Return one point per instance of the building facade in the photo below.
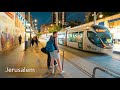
(12, 24)
(58, 18)
(26, 17)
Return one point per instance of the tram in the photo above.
(94, 38)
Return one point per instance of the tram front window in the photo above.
(104, 34)
(94, 38)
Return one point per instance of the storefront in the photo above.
(7, 27)
(114, 28)
(11, 26)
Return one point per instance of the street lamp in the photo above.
(51, 25)
(95, 16)
(101, 15)
(35, 20)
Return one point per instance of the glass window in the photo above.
(104, 34)
(94, 38)
(80, 37)
(73, 37)
(70, 37)
(80, 40)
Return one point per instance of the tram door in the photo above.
(80, 40)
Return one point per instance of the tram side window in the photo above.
(73, 37)
(70, 37)
(94, 38)
(80, 37)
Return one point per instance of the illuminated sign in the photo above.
(100, 30)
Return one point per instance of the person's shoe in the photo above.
(53, 71)
(50, 67)
(62, 72)
(56, 65)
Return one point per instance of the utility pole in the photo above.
(30, 26)
(95, 17)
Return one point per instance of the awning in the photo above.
(114, 20)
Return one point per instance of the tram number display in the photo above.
(100, 30)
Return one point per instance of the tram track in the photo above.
(79, 68)
(99, 65)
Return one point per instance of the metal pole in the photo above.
(25, 38)
(30, 27)
(63, 60)
(95, 17)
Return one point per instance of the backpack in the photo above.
(49, 46)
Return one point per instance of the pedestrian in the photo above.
(36, 40)
(48, 58)
(32, 42)
(20, 39)
(55, 54)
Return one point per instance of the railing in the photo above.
(106, 71)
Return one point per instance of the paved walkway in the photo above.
(32, 59)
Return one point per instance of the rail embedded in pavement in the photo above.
(106, 71)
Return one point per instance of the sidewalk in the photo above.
(31, 59)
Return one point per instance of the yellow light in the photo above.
(51, 25)
(100, 16)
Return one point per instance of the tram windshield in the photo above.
(104, 34)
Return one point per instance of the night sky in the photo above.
(45, 17)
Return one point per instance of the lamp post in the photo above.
(30, 27)
(95, 16)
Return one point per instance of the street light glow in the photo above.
(101, 15)
(51, 25)
(35, 20)
(59, 21)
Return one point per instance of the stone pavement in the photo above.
(32, 59)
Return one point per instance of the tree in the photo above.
(39, 33)
(74, 23)
(54, 28)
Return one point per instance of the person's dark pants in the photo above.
(36, 42)
(49, 60)
(20, 42)
(32, 43)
